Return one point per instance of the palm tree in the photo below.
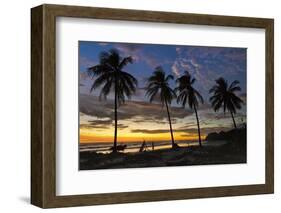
(224, 96)
(158, 83)
(187, 94)
(110, 75)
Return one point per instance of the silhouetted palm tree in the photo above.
(224, 96)
(110, 75)
(188, 95)
(158, 83)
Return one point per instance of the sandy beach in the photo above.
(233, 152)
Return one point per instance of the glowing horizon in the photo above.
(86, 138)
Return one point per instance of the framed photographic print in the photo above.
(137, 106)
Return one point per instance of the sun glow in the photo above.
(90, 136)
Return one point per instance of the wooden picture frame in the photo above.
(43, 105)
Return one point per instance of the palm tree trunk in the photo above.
(115, 118)
(171, 129)
(198, 126)
(233, 120)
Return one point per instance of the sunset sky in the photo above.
(140, 120)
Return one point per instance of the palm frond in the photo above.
(217, 104)
(105, 90)
(192, 81)
(125, 62)
(97, 70)
(187, 93)
(235, 89)
(199, 96)
(158, 83)
(233, 84)
(169, 77)
(101, 80)
(224, 96)
(151, 93)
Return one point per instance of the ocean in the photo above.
(104, 147)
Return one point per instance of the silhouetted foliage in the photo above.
(109, 75)
(223, 96)
(158, 84)
(188, 95)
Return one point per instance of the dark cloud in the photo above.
(207, 64)
(189, 125)
(90, 105)
(90, 126)
(86, 62)
(207, 130)
(97, 124)
(128, 47)
(136, 52)
(102, 124)
(150, 111)
(185, 131)
(122, 126)
(132, 50)
(142, 120)
(141, 112)
(156, 131)
(221, 115)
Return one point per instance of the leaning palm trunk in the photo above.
(198, 126)
(171, 129)
(233, 120)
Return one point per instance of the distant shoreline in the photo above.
(148, 141)
(134, 147)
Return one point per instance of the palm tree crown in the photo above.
(188, 94)
(158, 84)
(224, 96)
(110, 75)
